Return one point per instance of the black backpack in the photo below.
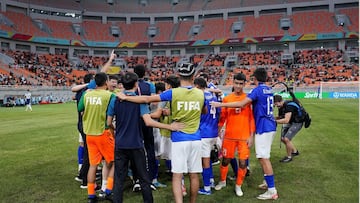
(303, 115)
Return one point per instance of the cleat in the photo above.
(297, 153)
(286, 160)
(220, 185)
(238, 190)
(269, 195)
(102, 194)
(231, 177)
(78, 178)
(158, 185)
(212, 184)
(204, 192)
(152, 186)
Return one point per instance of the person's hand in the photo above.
(250, 141)
(121, 96)
(215, 104)
(165, 111)
(177, 126)
(112, 55)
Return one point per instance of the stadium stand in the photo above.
(313, 22)
(353, 14)
(23, 24)
(309, 66)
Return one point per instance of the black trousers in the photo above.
(150, 153)
(138, 159)
(86, 164)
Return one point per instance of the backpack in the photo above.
(303, 115)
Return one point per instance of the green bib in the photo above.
(94, 118)
(186, 107)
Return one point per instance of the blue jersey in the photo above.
(263, 100)
(209, 122)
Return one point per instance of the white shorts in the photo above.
(80, 138)
(186, 157)
(206, 147)
(263, 144)
(157, 142)
(165, 147)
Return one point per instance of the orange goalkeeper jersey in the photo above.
(239, 121)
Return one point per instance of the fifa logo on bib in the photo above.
(94, 100)
(188, 105)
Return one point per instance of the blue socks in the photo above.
(269, 180)
(234, 165)
(206, 176)
(80, 154)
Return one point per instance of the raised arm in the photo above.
(107, 65)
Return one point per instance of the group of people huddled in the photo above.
(127, 123)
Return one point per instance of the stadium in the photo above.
(49, 46)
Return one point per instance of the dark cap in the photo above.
(186, 69)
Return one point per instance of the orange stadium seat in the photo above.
(134, 32)
(97, 31)
(313, 22)
(62, 29)
(24, 24)
(183, 31)
(353, 14)
(165, 29)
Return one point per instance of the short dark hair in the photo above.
(140, 70)
(205, 76)
(129, 80)
(201, 82)
(260, 74)
(120, 80)
(239, 76)
(278, 98)
(173, 81)
(88, 77)
(159, 86)
(113, 77)
(100, 79)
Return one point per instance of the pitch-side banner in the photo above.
(324, 95)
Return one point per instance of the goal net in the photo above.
(339, 90)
